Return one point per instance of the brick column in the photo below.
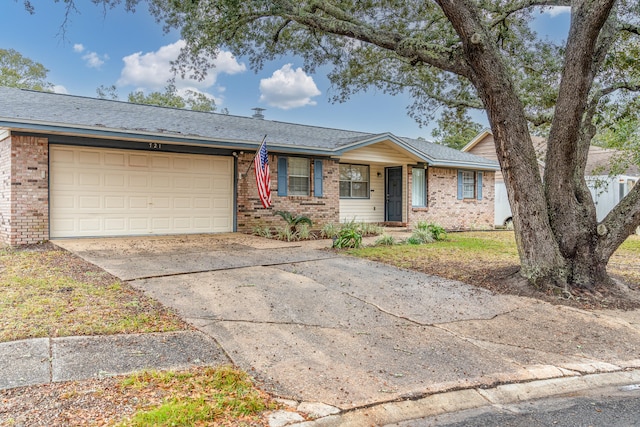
(24, 181)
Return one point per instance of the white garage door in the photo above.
(110, 192)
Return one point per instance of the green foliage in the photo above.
(619, 129)
(107, 92)
(303, 232)
(294, 221)
(286, 233)
(455, 128)
(262, 231)
(437, 232)
(350, 233)
(21, 72)
(385, 240)
(348, 238)
(204, 396)
(370, 229)
(420, 237)
(171, 98)
(329, 230)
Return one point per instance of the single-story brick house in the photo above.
(80, 167)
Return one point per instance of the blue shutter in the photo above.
(479, 190)
(282, 176)
(317, 178)
(460, 197)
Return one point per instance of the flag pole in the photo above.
(254, 156)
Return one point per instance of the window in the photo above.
(298, 182)
(354, 181)
(294, 176)
(419, 188)
(469, 185)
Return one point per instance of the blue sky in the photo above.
(131, 51)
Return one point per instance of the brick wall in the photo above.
(24, 204)
(321, 210)
(5, 190)
(444, 208)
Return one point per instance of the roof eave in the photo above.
(139, 135)
(466, 165)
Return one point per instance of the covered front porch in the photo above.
(377, 184)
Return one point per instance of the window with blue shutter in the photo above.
(469, 185)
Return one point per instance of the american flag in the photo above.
(263, 178)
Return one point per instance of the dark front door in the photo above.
(393, 185)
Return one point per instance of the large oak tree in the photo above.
(464, 54)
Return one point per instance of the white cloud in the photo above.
(60, 89)
(152, 70)
(93, 60)
(554, 11)
(288, 88)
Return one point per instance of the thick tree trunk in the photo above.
(540, 257)
(570, 207)
(555, 224)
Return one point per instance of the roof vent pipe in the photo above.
(258, 113)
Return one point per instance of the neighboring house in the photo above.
(607, 190)
(81, 167)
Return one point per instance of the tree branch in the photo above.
(630, 28)
(342, 24)
(505, 12)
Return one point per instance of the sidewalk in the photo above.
(45, 360)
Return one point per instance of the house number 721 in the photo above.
(155, 145)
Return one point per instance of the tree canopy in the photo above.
(192, 100)
(457, 55)
(21, 72)
(455, 128)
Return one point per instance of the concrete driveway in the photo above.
(316, 326)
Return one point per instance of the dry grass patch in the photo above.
(49, 292)
(221, 396)
(490, 260)
(463, 256)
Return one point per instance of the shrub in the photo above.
(420, 237)
(304, 232)
(437, 232)
(371, 229)
(385, 240)
(329, 230)
(262, 231)
(286, 233)
(294, 222)
(348, 238)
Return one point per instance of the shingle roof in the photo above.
(75, 115)
(442, 153)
